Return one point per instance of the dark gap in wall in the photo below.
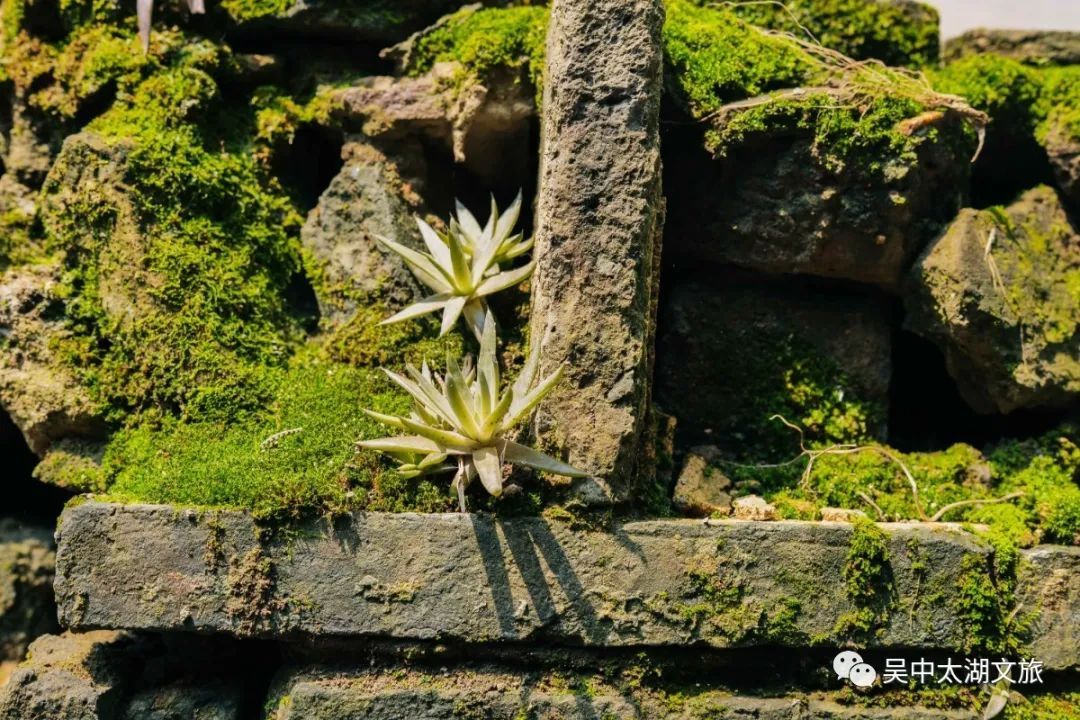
(503, 165)
(304, 53)
(1007, 167)
(926, 411)
(25, 498)
(306, 166)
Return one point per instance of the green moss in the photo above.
(243, 10)
(1044, 470)
(74, 465)
(296, 455)
(12, 13)
(895, 33)
(362, 341)
(486, 40)
(76, 13)
(1061, 102)
(715, 58)
(982, 608)
(1048, 706)
(1009, 92)
(1042, 281)
(839, 137)
(868, 583)
(279, 116)
(176, 275)
(93, 58)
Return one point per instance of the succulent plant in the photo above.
(463, 265)
(460, 421)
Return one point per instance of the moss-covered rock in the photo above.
(177, 256)
(1059, 131)
(846, 178)
(999, 292)
(1034, 116)
(483, 42)
(897, 32)
(364, 201)
(1010, 93)
(295, 456)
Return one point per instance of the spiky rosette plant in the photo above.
(459, 422)
(464, 265)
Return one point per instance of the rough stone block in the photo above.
(26, 599)
(71, 676)
(109, 675)
(364, 200)
(598, 223)
(480, 579)
(1037, 47)
(1052, 582)
(498, 694)
(997, 293)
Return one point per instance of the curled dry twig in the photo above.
(966, 503)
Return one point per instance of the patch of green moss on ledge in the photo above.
(1045, 470)
(295, 456)
(897, 33)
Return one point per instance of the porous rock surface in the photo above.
(363, 201)
(71, 676)
(324, 694)
(774, 206)
(391, 575)
(40, 393)
(1051, 578)
(998, 294)
(701, 488)
(598, 223)
(1037, 47)
(112, 675)
(26, 598)
(1063, 150)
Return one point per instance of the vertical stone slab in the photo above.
(598, 223)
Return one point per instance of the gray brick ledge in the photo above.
(472, 578)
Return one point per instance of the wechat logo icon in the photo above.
(848, 665)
